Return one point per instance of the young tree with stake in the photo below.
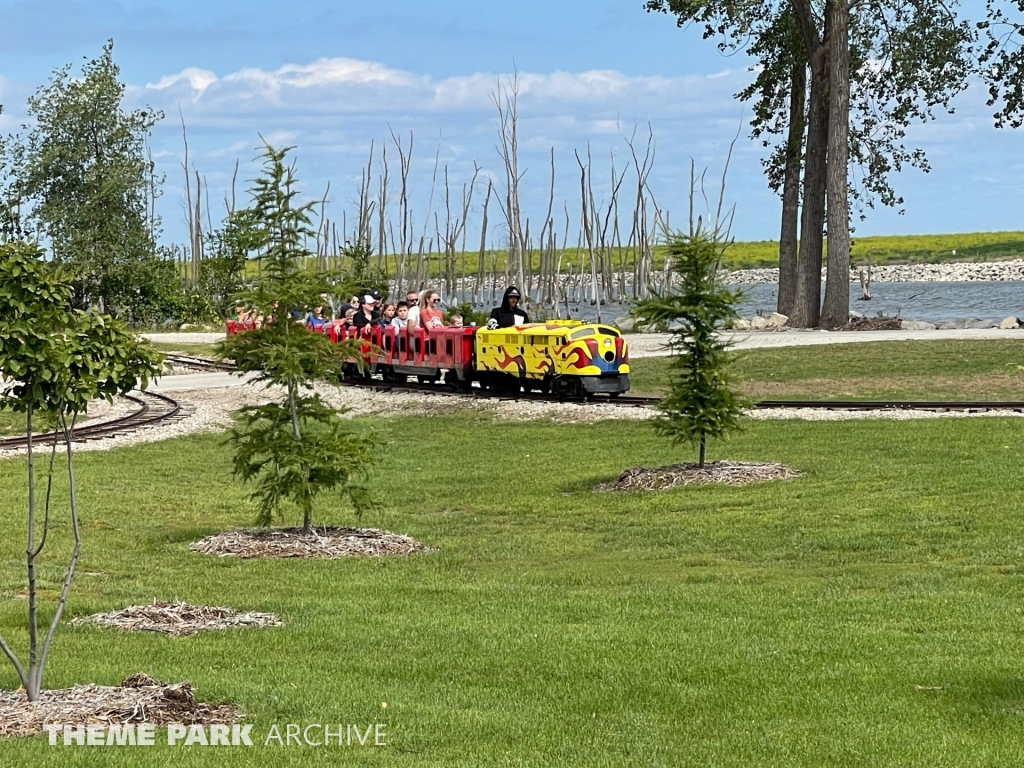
(700, 403)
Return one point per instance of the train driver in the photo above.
(509, 313)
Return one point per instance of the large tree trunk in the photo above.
(806, 307)
(791, 191)
(836, 311)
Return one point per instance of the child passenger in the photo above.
(401, 318)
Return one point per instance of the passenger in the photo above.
(456, 321)
(387, 314)
(431, 315)
(345, 321)
(368, 315)
(509, 313)
(401, 318)
(315, 321)
(330, 311)
(413, 300)
(354, 303)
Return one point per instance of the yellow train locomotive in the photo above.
(564, 357)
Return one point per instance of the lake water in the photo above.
(934, 302)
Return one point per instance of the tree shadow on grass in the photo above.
(991, 698)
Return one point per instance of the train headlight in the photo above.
(608, 342)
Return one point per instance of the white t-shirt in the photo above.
(414, 315)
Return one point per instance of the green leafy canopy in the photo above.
(56, 359)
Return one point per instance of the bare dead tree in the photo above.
(506, 99)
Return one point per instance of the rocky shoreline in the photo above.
(992, 271)
(858, 322)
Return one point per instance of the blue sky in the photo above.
(332, 77)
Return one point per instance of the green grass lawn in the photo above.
(12, 423)
(868, 613)
(908, 370)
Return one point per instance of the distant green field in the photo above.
(883, 249)
(897, 249)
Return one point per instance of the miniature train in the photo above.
(563, 357)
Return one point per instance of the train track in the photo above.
(625, 401)
(636, 401)
(151, 408)
(200, 363)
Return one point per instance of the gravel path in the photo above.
(213, 408)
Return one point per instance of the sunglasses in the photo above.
(412, 301)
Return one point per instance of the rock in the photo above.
(759, 323)
(187, 327)
(741, 325)
(1009, 323)
(856, 315)
(916, 325)
(778, 320)
(625, 324)
(947, 326)
(983, 324)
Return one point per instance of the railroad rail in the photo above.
(201, 363)
(152, 408)
(637, 401)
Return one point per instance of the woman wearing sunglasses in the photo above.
(431, 315)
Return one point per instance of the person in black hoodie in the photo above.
(509, 313)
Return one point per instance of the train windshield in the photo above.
(582, 333)
(608, 331)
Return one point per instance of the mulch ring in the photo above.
(178, 619)
(322, 543)
(720, 472)
(139, 699)
(872, 324)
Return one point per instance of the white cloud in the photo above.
(346, 85)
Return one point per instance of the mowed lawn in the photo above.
(869, 613)
(908, 370)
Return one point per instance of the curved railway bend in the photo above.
(151, 409)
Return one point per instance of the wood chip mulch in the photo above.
(324, 542)
(720, 472)
(139, 699)
(178, 619)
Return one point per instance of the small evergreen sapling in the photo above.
(299, 447)
(700, 403)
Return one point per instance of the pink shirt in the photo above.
(431, 318)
